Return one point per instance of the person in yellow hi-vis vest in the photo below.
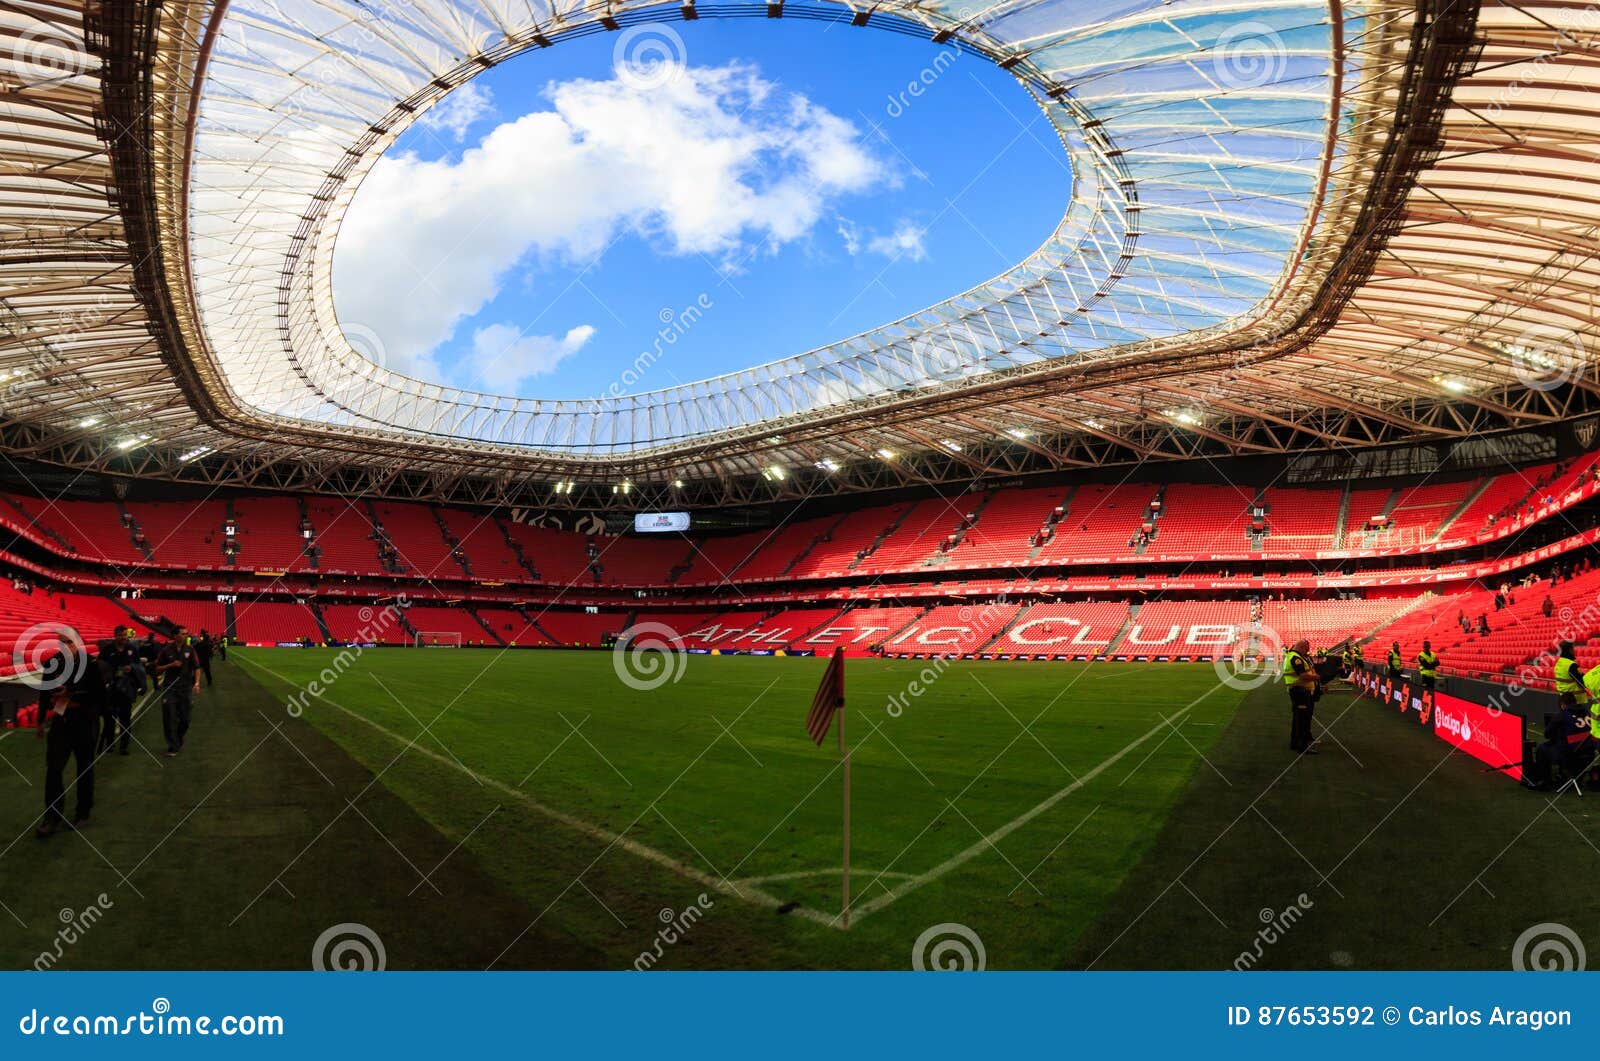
(1570, 685)
(1300, 676)
(1591, 684)
(1396, 665)
(1427, 666)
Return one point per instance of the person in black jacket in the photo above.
(176, 667)
(123, 673)
(69, 714)
(1568, 746)
(202, 649)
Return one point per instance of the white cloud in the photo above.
(459, 111)
(904, 242)
(503, 357)
(716, 162)
(850, 233)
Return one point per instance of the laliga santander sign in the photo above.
(1493, 737)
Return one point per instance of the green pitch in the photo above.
(475, 808)
(1011, 798)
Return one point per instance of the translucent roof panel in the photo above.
(1198, 134)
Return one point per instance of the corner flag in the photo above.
(828, 702)
(829, 698)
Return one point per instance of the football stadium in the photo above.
(1034, 485)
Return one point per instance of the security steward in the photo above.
(1569, 677)
(177, 668)
(123, 673)
(1396, 665)
(1427, 666)
(1300, 677)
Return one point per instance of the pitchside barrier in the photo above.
(1488, 721)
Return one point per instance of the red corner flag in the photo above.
(829, 698)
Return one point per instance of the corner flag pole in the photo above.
(829, 702)
(844, 756)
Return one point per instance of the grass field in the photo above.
(528, 809)
(1007, 798)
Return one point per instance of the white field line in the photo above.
(743, 889)
(597, 832)
(834, 871)
(905, 888)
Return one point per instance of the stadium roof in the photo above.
(1292, 225)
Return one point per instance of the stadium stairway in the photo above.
(883, 536)
(322, 622)
(1343, 519)
(533, 624)
(136, 534)
(1005, 628)
(825, 535)
(516, 549)
(1421, 600)
(1048, 527)
(493, 635)
(1122, 631)
(1467, 502)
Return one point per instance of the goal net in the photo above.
(438, 639)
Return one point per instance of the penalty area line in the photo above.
(960, 858)
(754, 896)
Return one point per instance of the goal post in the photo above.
(438, 639)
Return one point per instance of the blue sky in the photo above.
(534, 232)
